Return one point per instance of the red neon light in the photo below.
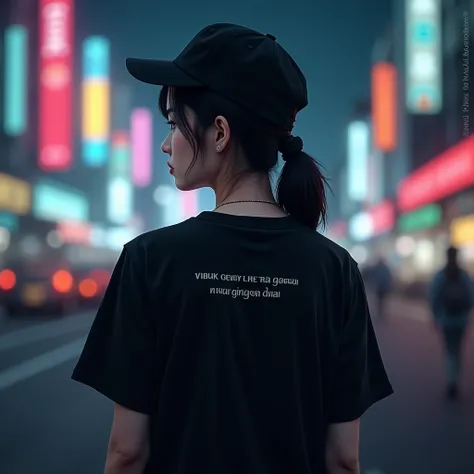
(447, 174)
(75, 232)
(383, 217)
(56, 76)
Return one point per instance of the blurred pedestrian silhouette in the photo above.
(379, 279)
(451, 299)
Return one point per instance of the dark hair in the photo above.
(301, 185)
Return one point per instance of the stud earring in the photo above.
(218, 148)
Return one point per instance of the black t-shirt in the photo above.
(242, 338)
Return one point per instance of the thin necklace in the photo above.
(245, 200)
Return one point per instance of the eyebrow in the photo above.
(169, 111)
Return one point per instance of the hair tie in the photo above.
(290, 147)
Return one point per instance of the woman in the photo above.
(238, 341)
(451, 300)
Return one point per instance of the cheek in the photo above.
(182, 152)
(179, 144)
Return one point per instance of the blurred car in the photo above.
(40, 288)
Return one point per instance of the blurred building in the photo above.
(436, 200)
(443, 28)
(427, 54)
(458, 43)
(419, 167)
(38, 195)
(18, 26)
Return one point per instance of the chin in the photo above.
(187, 185)
(184, 186)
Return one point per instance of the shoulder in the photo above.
(329, 245)
(161, 240)
(332, 251)
(335, 261)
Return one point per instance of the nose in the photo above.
(166, 145)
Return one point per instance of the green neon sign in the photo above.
(424, 218)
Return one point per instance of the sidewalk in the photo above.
(409, 308)
(405, 307)
(414, 310)
(434, 435)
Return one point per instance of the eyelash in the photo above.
(171, 124)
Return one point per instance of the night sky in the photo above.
(331, 41)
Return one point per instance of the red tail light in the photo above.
(62, 281)
(88, 288)
(7, 280)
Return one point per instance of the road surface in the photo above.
(51, 425)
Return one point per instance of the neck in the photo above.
(252, 187)
(255, 187)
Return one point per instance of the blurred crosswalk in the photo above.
(43, 330)
(40, 346)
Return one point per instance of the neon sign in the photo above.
(56, 75)
(120, 189)
(95, 100)
(16, 80)
(443, 176)
(141, 138)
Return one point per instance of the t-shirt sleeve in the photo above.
(360, 379)
(119, 353)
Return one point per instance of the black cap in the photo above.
(247, 67)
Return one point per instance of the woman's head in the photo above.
(214, 141)
(231, 98)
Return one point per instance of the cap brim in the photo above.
(160, 73)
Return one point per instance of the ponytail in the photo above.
(301, 186)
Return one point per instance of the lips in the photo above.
(171, 168)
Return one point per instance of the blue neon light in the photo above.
(96, 51)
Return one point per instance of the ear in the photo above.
(222, 132)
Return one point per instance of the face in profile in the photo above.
(205, 168)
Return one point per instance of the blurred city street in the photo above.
(85, 168)
(51, 425)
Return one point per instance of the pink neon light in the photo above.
(448, 173)
(190, 204)
(141, 137)
(56, 58)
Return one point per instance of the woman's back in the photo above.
(246, 351)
